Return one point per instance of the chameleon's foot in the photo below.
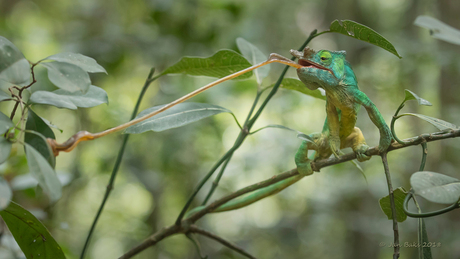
(304, 168)
(385, 139)
(360, 156)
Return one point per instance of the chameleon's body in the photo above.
(330, 71)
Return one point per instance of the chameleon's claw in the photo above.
(360, 153)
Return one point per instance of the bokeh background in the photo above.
(333, 214)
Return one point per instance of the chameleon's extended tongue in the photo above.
(280, 59)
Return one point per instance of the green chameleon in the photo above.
(330, 71)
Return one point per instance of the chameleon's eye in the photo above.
(325, 57)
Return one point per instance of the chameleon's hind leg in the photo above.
(301, 157)
(357, 142)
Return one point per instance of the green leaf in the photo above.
(5, 193)
(68, 76)
(84, 62)
(71, 100)
(436, 187)
(5, 149)
(438, 123)
(362, 32)
(399, 195)
(5, 123)
(422, 235)
(4, 96)
(177, 116)
(44, 173)
(438, 29)
(35, 123)
(297, 85)
(14, 67)
(412, 96)
(305, 137)
(31, 235)
(221, 64)
(254, 56)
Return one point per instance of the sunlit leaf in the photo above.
(399, 196)
(254, 56)
(5, 149)
(412, 96)
(5, 123)
(297, 85)
(438, 29)
(438, 123)
(436, 187)
(84, 62)
(67, 76)
(177, 116)
(362, 32)
(14, 68)
(44, 173)
(35, 123)
(71, 100)
(31, 235)
(26, 181)
(221, 64)
(5, 193)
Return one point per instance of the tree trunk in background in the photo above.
(450, 77)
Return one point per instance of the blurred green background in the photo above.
(333, 214)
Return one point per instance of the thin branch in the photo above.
(316, 166)
(147, 83)
(393, 206)
(152, 240)
(195, 229)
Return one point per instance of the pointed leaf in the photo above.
(438, 123)
(44, 173)
(31, 235)
(399, 195)
(362, 32)
(436, 187)
(14, 68)
(35, 123)
(221, 64)
(5, 193)
(71, 100)
(423, 250)
(177, 116)
(68, 76)
(5, 123)
(297, 85)
(5, 149)
(84, 62)
(412, 96)
(254, 56)
(438, 29)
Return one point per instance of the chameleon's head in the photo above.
(321, 68)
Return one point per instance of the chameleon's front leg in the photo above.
(376, 118)
(333, 124)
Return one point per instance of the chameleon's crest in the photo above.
(308, 52)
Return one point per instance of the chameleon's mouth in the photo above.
(308, 63)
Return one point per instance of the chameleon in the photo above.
(330, 71)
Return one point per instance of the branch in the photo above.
(195, 229)
(392, 205)
(316, 166)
